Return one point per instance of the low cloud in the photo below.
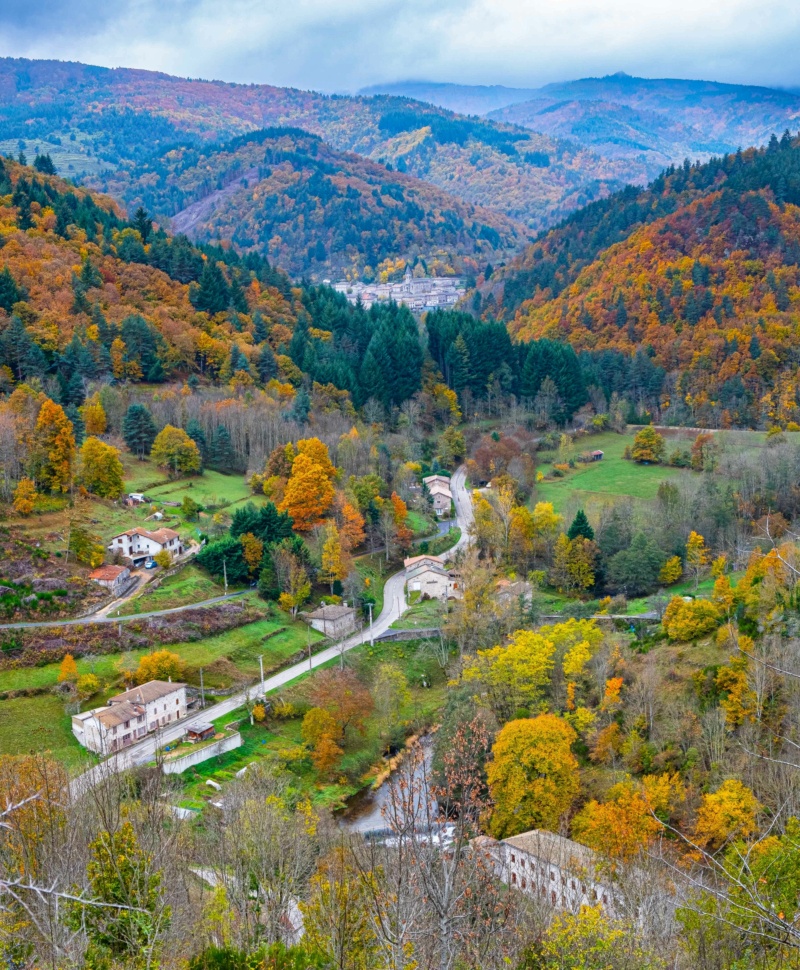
(343, 46)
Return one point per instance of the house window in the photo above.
(524, 884)
(553, 896)
(513, 878)
(177, 701)
(127, 724)
(605, 899)
(513, 857)
(522, 863)
(552, 874)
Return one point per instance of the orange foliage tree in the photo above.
(54, 450)
(309, 493)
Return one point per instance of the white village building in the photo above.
(138, 545)
(129, 716)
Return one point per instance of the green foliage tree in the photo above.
(139, 430)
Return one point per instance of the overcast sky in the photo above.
(341, 45)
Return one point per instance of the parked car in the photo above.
(151, 564)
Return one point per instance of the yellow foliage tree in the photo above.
(687, 620)
(533, 775)
(88, 684)
(68, 672)
(648, 446)
(101, 471)
(697, 556)
(25, 497)
(335, 563)
(252, 550)
(54, 454)
(163, 558)
(160, 665)
(671, 571)
(94, 416)
(729, 813)
(175, 451)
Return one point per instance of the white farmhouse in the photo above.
(137, 545)
(130, 716)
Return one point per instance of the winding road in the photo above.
(394, 605)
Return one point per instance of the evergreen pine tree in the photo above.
(198, 436)
(9, 291)
(260, 333)
(212, 295)
(580, 527)
(301, 407)
(220, 451)
(266, 364)
(78, 426)
(139, 430)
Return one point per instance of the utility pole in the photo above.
(371, 637)
(225, 574)
(308, 644)
(202, 692)
(261, 665)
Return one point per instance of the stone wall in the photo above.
(174, 766)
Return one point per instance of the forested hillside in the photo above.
(651, 122)
(700, 272)
(316, 212)
(64, 108)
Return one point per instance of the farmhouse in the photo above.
(114, 578)
(428, 576)
(137, 545)
(333, 621)
(130, 716)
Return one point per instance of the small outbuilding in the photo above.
(114, 578)
(200, 732)
(333, 621)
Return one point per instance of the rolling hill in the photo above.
(95, 119)
(651, 123)
(316, 212)
(699, 273)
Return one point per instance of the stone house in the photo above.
(138, 545)
(442, 498)
(114, 578)
(129, 716)
(333, 621)
(428, 576)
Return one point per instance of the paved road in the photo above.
(95, 618)
(394, 605)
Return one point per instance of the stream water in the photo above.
(366, 812)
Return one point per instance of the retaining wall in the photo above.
(174, 766)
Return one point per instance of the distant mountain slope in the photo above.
(316, 212)
(700, 273)
(465, 99)
(123, 117)
(650, 123)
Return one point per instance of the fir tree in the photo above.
(212, 295)
(266, 364)
(198, 436)
(580, 527)
(9, 291)
(260, 332)
(139, 430)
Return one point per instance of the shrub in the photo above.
(687, 620)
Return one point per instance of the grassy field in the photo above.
(427, 613)
(593, 484)
(31, 725)
(190, 585)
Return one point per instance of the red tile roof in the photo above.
(108, 573)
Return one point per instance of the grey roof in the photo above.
(330, 613)
(151, 691)
(555, 849)
(118, 714)
(201, 727)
